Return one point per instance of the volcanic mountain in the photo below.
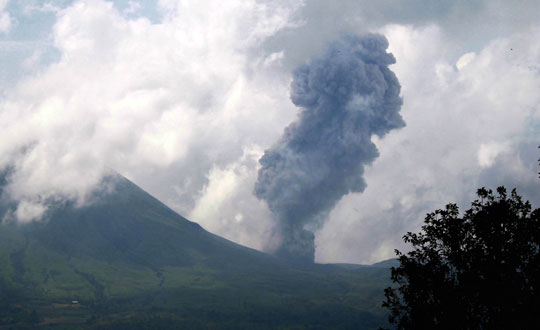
(128, 261)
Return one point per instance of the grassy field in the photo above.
(132, 263)
(320, 298)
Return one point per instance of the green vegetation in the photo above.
(132, 263)
(476, 271)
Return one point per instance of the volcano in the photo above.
(126, 260)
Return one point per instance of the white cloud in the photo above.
(464, 60)
(487, 153)
(48, 7)
(183, 107)
(28, 211)
(5, 17)
(139, 97)
(227, 204)
(133, 7)
(459, 125)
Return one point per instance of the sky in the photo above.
(183, 98)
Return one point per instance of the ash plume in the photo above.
(345, 97)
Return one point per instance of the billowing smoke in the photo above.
(345, 97)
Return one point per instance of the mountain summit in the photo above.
(127, 260)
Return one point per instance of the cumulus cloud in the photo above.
(470, 25)
(227, 205)
(141, 98)
(184, 102)
(5, 17)
(469, 124)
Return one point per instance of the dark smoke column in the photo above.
(344, 97)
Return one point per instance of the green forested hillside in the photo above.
(131, 262)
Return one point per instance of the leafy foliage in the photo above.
(478, 271)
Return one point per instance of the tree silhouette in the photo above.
(478, 271)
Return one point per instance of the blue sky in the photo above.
(183, 97)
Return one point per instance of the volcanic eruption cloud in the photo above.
(345, 97)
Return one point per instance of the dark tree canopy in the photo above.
(476, 271)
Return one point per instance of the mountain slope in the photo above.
(131, 226)
(128, 259)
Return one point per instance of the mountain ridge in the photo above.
(126, 254)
